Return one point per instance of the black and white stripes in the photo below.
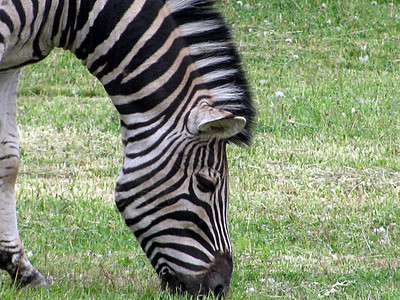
(174, 75)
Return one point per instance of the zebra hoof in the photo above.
(22, 273)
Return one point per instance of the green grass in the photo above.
(315, 208)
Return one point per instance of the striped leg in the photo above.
(12, 257)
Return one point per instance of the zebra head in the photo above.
(175, 201)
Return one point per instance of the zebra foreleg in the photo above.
(12, 256)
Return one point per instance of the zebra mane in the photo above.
(210, 42)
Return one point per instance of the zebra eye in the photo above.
(205, 185)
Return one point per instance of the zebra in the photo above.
(175, 77)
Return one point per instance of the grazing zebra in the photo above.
(174, 76)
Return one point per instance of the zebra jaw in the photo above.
(213, 122)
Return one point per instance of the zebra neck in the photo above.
(160, 57)
(143, 63)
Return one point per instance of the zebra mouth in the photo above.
(197, 287)
(170, 281)
(215, 281)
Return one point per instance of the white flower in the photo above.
(247, 6)
(323, 5)
(329, 22)
(265, 33)
(250, 290)
(373, 3)
(363, 48)
(380, 229)
(240, 3)
(363, 59)
(29, 253)
(271, 280)
(262, 81)
(279, 94)
(352, 110)
(289, 40)
(295, 56)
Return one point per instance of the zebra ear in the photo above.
(216, 122)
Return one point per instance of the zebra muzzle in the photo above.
(215, 281)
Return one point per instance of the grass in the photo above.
(314, 208)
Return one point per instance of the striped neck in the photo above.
(148, 54)
(148, 63)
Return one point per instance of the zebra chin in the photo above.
(215, 281)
